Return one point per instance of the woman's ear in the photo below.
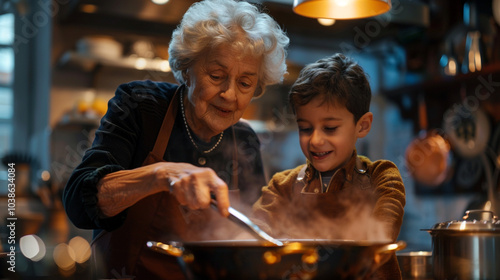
(364, 124)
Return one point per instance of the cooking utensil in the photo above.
(296, 259)
(415, 265)
(474, 56)
(448, 60)
(467, 249)
(241, 219)
(428, 155)
(468, 130)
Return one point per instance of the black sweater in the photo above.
(127, 134)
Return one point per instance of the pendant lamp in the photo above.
(341, 9)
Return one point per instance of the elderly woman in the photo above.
(162, 150)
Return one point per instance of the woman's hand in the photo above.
(191, 185)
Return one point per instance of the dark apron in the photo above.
(123, 254)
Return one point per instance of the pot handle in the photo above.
(480, 215)
(174, 249)
(309, 255)
(393, 247)
(383, 254)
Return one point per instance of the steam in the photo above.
(357, 223)
(344, 216)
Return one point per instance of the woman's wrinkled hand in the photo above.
(192, 186)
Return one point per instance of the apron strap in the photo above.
(166, 127)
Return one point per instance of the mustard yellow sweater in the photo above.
(364, 200)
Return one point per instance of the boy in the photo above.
(337, 194)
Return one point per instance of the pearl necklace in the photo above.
(189, 133)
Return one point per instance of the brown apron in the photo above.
(123, 254)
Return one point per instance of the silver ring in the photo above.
(171, 184)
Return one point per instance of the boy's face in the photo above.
(327, 133)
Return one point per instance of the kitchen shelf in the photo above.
(443, 92)
(436, 85)
(89, 62)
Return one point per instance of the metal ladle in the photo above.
(241, 219)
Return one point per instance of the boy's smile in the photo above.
(327, 133)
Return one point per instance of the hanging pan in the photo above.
(428, 155)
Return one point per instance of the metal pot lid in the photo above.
(474, 220)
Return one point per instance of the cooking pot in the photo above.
(415, 265)
(296, 259)
(467, 249)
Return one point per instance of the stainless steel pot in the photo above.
(415, 265)
(467, 249)
(296, 259)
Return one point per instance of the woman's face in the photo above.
(327, 134)
(220, 87)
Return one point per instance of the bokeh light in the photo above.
(160, 2)
(81, 247)
(64, 256)
(32, 247)
(326, 21)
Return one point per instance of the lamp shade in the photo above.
(341, 9)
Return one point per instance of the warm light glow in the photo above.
(449, 65)
(462, 226)
(32, 247)
(392, 247)
(452, 68)
(160, 2)
(341, 3)
(477, 59)
(271, 257)
(341, 9)
(140, 63)
(88, 8)
(165, 66)
(45, 175)
(473, 52)
(64, 256)
(487, 205)
(310, 258)
(472, 66)
(81, 247)
(292, 247)
(326, 21)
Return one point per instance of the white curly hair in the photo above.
(209, 23)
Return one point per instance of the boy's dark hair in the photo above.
(338, 79)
